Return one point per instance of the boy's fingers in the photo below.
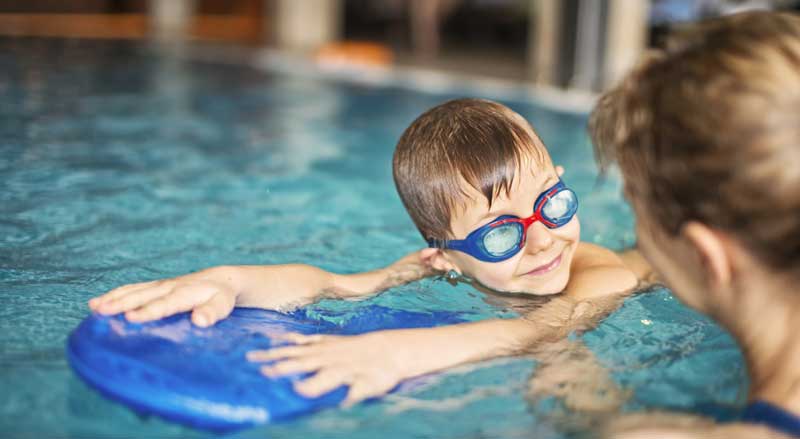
(117, 292)
(301, 339)
(357, 393)
(293, 366)
(323, 382)
(135, 298)
(181, 299)
(217, 307)
(277, 353)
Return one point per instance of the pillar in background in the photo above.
(589, 44)
(586, 44)
(626, 38)
(307, 24)
(169, 19)
(543, 41)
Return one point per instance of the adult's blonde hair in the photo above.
(708, 129)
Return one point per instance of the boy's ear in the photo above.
(713, 251)
(559, 170)
(436, 259)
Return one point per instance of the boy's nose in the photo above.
(539, 238)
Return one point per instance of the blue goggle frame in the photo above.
(474, 244)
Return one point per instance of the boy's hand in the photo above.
(209, 293)
(212, 293)
(371, 364)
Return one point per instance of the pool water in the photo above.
(119, 163)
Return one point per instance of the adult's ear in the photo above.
(436, 259)
(713, 251)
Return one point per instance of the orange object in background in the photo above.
(345, 53)
(231, 21)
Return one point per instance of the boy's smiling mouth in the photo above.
(546, 268)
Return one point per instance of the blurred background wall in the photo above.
(570, 44)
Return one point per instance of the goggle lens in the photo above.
(502, 239)
(560, 208)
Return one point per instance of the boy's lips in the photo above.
(546, 268)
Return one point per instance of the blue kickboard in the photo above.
(200, 376)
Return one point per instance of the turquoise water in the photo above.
(119, 164)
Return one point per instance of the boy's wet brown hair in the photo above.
(708, 129)
(480, 142)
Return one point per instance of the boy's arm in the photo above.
(211, 294)
(374, 363)
(296, 285)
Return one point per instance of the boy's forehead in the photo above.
(529, 181)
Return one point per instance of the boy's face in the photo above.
(543, 265)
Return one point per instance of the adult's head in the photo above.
(707, 135)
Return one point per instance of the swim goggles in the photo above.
(504, 237)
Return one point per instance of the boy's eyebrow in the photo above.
(551, 180)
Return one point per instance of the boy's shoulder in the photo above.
(631, 260)
(598, 271)
(589, 255)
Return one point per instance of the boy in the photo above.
(480, 186)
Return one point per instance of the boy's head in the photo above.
(466, 162)
(707, 133)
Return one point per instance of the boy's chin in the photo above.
(548, 285)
